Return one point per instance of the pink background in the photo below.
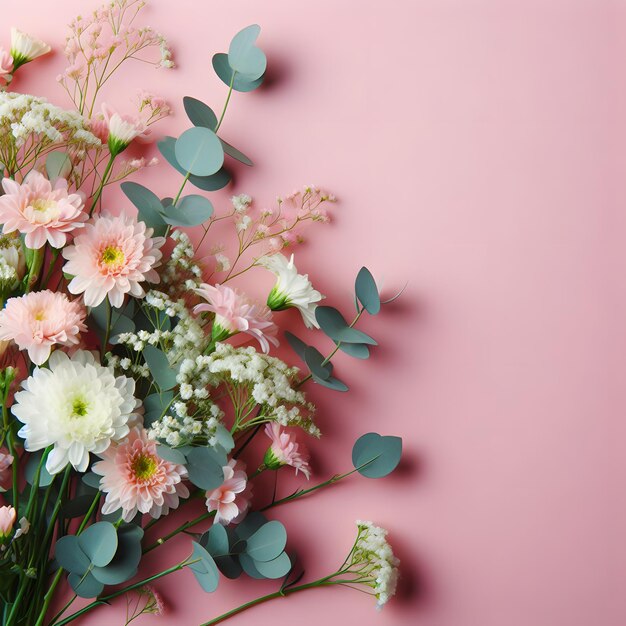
(476, 147)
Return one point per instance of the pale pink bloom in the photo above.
(99, 127)
(25, 47)
(6, 474)
(39, 320)
(7, 520)
(111, 257)
(6, 66)
(40, 210)
(235, 313)
(136, 479)
(231, 499)
(285, 450)
(122, 129)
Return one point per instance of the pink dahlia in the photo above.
(285, 450)
(41, 319)
(6, 460)
(136, 479)
(111, 257)
(40, 210)
(231, 499)
(235, 313)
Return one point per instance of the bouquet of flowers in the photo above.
(133, 372)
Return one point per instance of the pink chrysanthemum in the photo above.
(6, 460)
(235, 313)
(39, 320)
(231, 499)
(40, 210)
(6, 66)
(135, 479)
(285, 450)
(111, 257)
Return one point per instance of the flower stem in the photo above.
(103, 182)
(178, 530)
(230, 93)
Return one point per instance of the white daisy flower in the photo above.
(291, 289)
(76, 405)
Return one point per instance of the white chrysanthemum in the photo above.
(291, 289)
(76, 405)
(373, 559)
(25, 48)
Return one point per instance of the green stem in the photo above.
(103, 181)
(16, 603)
(178, 530)
(107, 330)
(35, 268)
(180, 191)
(53, 259)
(230, 93)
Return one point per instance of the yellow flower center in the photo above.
(79, 407)
(144, 466)
(40, 315)
(42, 205)
(112, 255)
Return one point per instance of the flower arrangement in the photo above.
(124, 395)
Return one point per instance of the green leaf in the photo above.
(207, 183)
(199, 114)
(85, 586)
(148, 205)
(192, 210)
(205, 570)
(335, 326)
(205, 468)
(231, 151)
(120, 323)
(70, 556)
(249, 566)
(156, 405)
(331, 383)
(251, 523)
(78, 506)
(215, 540)
(315, 361)
(58, 165)
(367, 291)
(267, 542)
(45, 478)
(163, 373)
(171, 454)
(92, 480)
(199, 151)
(244, 57)
(225, 72)
(224, 438)
(99, 543)
(298, 346)
(124, 565)
(276, 568)
(357, 350)
(375, 456)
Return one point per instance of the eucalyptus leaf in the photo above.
(155, 406)
(199, 151)
(163, 373)
(192, 210)
(92, 480)
(148, 205)
(267, 542)
(171, 454)
(58, 165)
(215, 540)
(224, 438)
(332, 322)
(367, 291)
(250, 524)
(315, 361)
(243, 55)
(99, 543)
(78, 506)
(225, 72)
(331, 383)
(249, 566)
(204, 569)
(298, 346)
(199, 113)
(70, 556)
(276, 568)
(231, 151)
(375, 456)
(85, 586)
(357, 350)
(124, 564)
(34, 459)
(205, 468)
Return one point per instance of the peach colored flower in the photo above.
(135, 479)
(6, 66)
(40, 210)
(231, 499)
(7, 520)
(235, 313)
(285, 450)
(6, 460)
(111, 257)
(39, 320)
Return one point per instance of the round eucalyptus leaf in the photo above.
(199, 151)
(30, 470)
(367, 291)
(147, 203)
(92, 480)
(315, 361)
(332, 322)
(224, 438)
(171, 454)
(375, 456)
(357, 350)
(85, 586)
(267, 542)
(297, 345)
(249, 566)
(205, 468)
(127, 557)
(199, 113)
(231, 151)
(155, 405)
(276, 568)
(99, 543)
(58, 165)
(331, 383)
(192, 210)
(70, 556)
(225, 73)
(251, 523)
(163, 373)
(215, 540)
(243, 55)
(204, 569)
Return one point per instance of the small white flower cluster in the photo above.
(181, 269)
(376, 563)
(124, 364)
(23, 116)
(181, 429)
(241, 202)
(254, 379)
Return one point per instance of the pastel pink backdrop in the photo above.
(476, 148)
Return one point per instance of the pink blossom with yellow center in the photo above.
(39, 320)
(41, 211)
(285, 450)
(110, 258)
(235, 313)
(136, 480)
(231, 499)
